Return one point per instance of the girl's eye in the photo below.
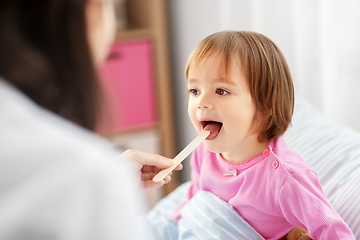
(194, 91)
(221, 91)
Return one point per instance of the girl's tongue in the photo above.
(214, 128)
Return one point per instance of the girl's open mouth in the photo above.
(212, 126)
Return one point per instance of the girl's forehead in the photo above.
(224, 69)
(215, 61)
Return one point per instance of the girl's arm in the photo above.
(304, 204)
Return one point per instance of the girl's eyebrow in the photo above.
(216, 80)
(192, 80)
(224, 80)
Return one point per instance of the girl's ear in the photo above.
(261, 116)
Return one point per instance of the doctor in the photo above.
(58, 180)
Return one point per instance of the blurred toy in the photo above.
(298, 233)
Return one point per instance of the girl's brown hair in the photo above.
(265, 68)
(45, 53)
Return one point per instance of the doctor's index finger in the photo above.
(158, 161)
(150, 159)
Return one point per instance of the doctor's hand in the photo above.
(148, 165)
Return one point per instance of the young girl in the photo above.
(240, 88)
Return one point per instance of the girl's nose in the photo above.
(205, 103)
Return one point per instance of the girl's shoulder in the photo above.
(289, 160)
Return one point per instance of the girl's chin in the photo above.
(212, 146)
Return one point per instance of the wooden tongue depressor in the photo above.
(182, 155)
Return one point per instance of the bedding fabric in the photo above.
(205, 216)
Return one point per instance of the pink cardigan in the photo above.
(275, 191)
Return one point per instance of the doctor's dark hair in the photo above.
(265, 69)
(44, 52)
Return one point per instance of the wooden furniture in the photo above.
(146, 27)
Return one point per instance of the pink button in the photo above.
(275, 164)
(265, 153)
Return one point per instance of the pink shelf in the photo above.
(129, 85)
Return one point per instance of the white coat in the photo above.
(59, 181)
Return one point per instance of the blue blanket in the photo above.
(205, 216)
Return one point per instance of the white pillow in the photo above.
(333, 150)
